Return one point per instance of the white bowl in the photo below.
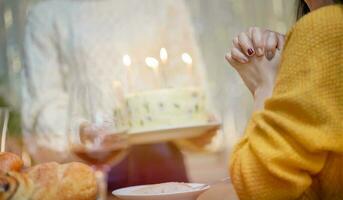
(126, 193)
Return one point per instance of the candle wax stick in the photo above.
(157, 77)
(164, 61)
(191, 75)
(127, 62)
(4, 132)
(129, 78)
(118, 89)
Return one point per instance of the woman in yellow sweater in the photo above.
(293, 145)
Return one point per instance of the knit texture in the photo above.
(293, 149)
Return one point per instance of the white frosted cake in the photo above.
(166, 108)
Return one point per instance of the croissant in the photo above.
(50, 181)
(10, 162)
(15, 186)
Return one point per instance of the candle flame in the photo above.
(152, 62)
(187, 58)
(163, 54)
(127, 60)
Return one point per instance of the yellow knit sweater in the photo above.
(293, 149)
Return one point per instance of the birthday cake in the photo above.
(160, 109)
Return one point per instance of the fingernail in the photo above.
(269, 55)
(260, 51)
(250, 51)
(244, 60)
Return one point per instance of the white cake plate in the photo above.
(171, 133)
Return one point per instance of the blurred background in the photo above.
(215, 22)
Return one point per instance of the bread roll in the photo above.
(10, 162)
(73, 181)
(49, 181)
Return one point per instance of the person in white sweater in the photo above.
(66, 39)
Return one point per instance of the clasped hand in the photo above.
(256, 56)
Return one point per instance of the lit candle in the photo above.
(127, 62)
(186, 58)
(164, 61)
(164, 55)
(118, 91)
(154, 65)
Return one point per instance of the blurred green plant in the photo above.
(14, 123)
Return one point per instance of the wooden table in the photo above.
(220, 192)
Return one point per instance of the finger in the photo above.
(281, 41)
(246, 44)
(232, 62)
(235, 43)
(271, 45)
(238, 56)
(257, 39)
(250, 32)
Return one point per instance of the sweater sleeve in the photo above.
(287, 143)
(44, 93)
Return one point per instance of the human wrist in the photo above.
(261, 94)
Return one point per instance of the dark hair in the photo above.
(303, 9)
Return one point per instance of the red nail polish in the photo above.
(250, 52)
